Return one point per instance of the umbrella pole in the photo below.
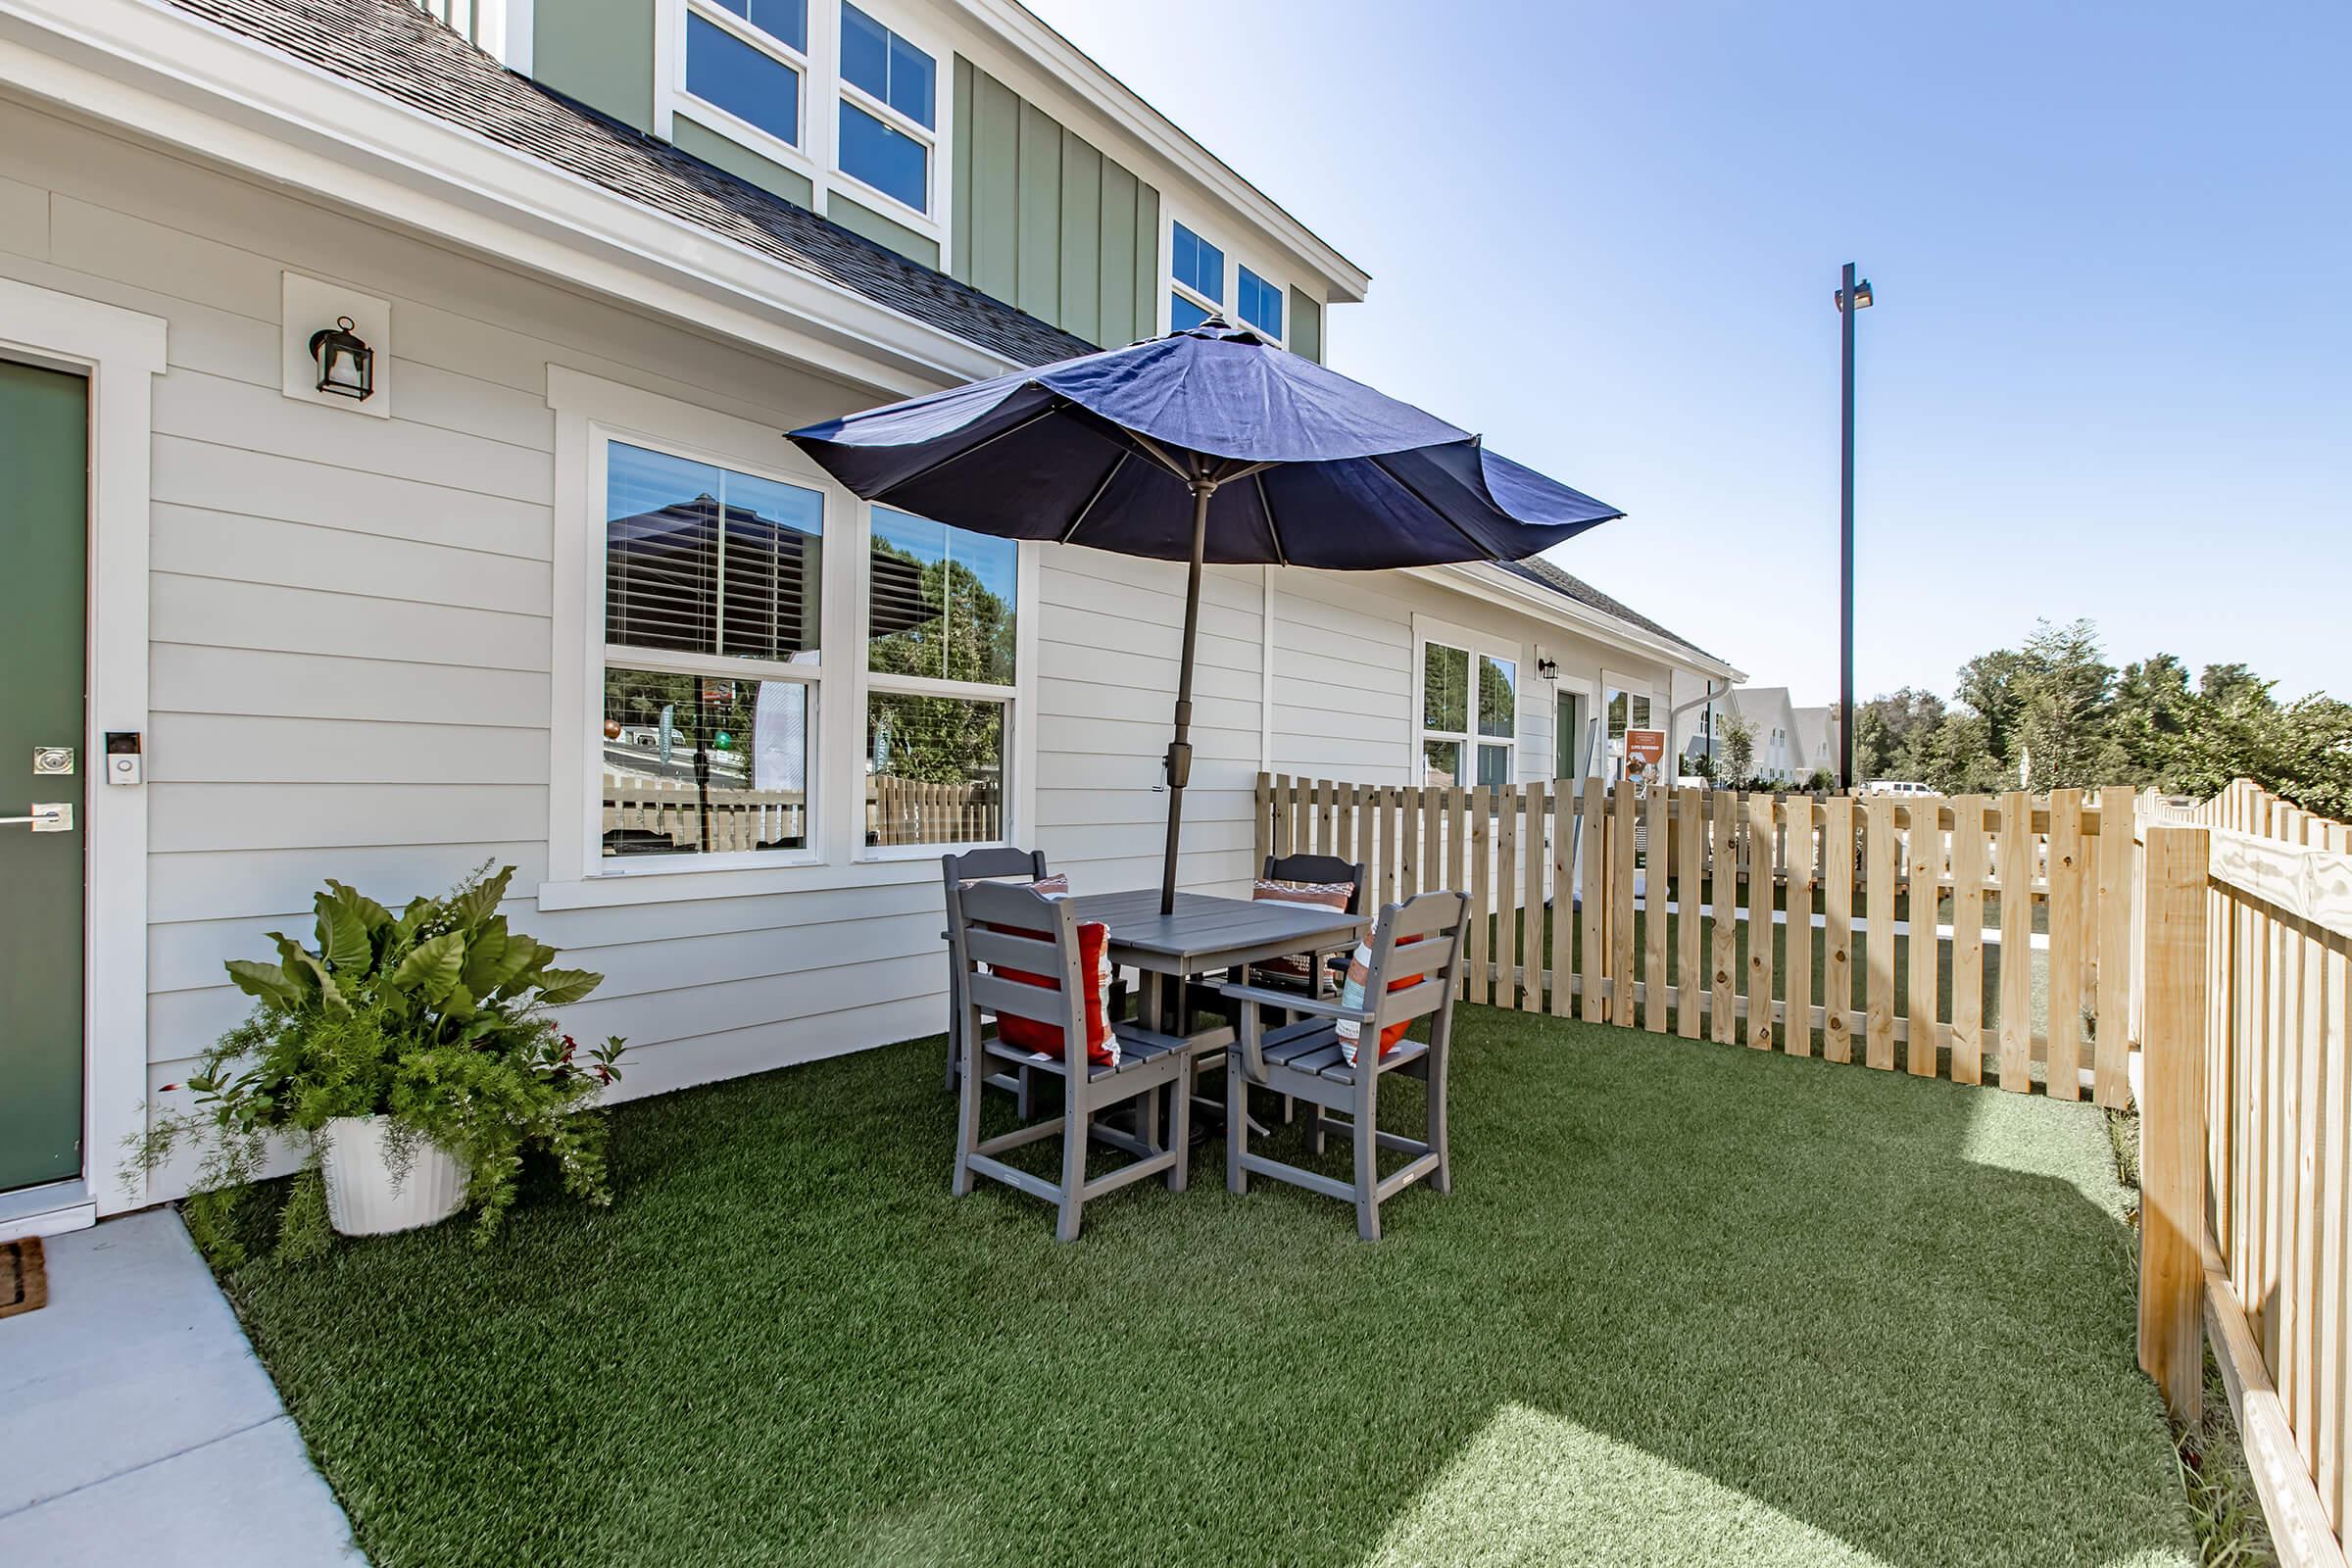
(1180, 750)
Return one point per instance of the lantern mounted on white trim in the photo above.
(346, 363)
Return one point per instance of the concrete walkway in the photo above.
(137, 1427)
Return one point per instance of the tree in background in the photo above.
(1738, 737)
(2059, 705)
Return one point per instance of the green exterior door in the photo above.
(44, 512)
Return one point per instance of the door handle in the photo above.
(52, 817)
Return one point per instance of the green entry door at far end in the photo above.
(45, 511)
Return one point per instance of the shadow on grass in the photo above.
(1689, 1303)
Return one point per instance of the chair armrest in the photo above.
(1296, 1002)
(1254, 1027)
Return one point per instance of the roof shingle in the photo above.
(391, 47)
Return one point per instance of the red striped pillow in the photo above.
(1307, 894)
(1093, 963)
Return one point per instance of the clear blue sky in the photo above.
(2109, 368)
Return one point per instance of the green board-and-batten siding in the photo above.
(599, 52)
(1306, 325)
(691, 135)
(859, 219)
(1047, 222)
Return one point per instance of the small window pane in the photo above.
(724, 70)
(1617, 712)
(1444, 688)
(865, 52)
(786, 19)
(939, 601)
(911, 79)
(703, 765)
(703, 560)
(889, 159)
(1184, 314)
(1497, 697)
(937, 769)
(1198, 264)
(1440, 762)
(1494, 765)
(887, 65)
(1261, 303)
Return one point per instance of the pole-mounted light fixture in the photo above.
(346, 363)
(1862, 299)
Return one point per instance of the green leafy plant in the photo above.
(434, 1018)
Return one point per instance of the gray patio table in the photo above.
(1202, 935)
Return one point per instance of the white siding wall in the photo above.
(352, 637)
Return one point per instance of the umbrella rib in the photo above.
(1153, 451)
(1079, 521)
(1257, 481)
(1414, 490)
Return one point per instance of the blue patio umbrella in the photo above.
(1206, 445)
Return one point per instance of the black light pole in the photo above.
(1851, 297)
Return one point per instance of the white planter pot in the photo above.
(362, 1197)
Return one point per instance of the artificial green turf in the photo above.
(1688, 1304)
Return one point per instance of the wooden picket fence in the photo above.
(1573, 933)
(2247, 1165)
(898, 811)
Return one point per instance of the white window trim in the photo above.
(1235, 260)
(933, 137)
(1020, 791)
(798, 156)
(589, 411)
(817, 157)
(121, 352)
(1429, 629)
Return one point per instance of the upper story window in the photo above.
(889, 111)
(1260, 304)
(1197, 271)
(749, 58)
(713, 592)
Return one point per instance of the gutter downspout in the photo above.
(1707, 701)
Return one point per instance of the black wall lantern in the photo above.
(346, 363)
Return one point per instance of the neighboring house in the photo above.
(500, 610)
(1816, 740)
(1776, 755)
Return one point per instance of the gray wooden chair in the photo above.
(1303, 1059)
(1152, 1065)
(1028, 865)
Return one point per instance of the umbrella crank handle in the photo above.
(1177, 765)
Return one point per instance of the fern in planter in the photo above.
(434, 1018)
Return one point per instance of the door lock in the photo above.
(51, 817)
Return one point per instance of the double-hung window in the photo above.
(889, 111)
(1469, 714)
(1628, 708)
(713, 584)
(941, 617)
(1260, 304)
(1197, 279)
(749, 59)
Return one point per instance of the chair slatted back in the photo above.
(1012, 926)
(1437, 923)
(1323, 869)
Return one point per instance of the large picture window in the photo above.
(713, 592)
(942, 618)
(1469, 715)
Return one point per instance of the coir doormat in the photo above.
(23, 1283)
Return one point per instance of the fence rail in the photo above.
(2247, 1146)
(2021, 898)
(658, 812)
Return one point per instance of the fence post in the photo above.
(2172, 1119)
